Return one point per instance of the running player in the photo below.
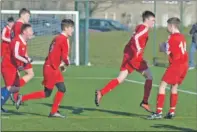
(6, 34)
(58, 52)
(133, 60)
(16, 60)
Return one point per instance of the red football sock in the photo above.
(22, 82)
(16, 96)
(57, 100)
(173, 102)
(111, 85)
(35, 95)
(147, 90)
(160, 102)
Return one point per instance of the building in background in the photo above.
(126, 11)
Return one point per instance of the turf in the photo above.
(119, 110)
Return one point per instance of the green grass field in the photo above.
(119, 110)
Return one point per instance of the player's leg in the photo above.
(173, 101)
(124, 71)
(114, 82)
(171, 77)
(57, 100)
(174, 92)
(110, 86)
(160, 102)
(9, 75)
(5, 93)
(32, 96)
(29, 74)
(48, 82)
(59, 95)
(147, 87)
(142, 67)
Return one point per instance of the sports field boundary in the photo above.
(126, 80)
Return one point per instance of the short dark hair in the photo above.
(147, 14)
(67, 23)
(24, 27)
(23, 11)
(10, 19)
(174, 21)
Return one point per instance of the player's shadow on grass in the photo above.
(12, 112)
(175, 128)
(79, 110)
(15, 112)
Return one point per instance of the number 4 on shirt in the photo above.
(182, 45)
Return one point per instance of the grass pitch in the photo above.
(119, 110)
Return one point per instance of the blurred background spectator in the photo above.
(193, 46)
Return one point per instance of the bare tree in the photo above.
(99, 5)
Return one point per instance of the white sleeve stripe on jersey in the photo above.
(4, 37)
(137, 38)
(16, 50)
(68, 43)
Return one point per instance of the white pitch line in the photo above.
(127, 80)
(155, 85)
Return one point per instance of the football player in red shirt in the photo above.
(6, 34)
(175, 48)
(15, 61)
(24, 16)
(133, 60)
(58, 52)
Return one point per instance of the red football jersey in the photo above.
(6, 62)
(18, 48)
(6, 34)
(176, 49)
(58, 51)
(138, 40)
(16, 30)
